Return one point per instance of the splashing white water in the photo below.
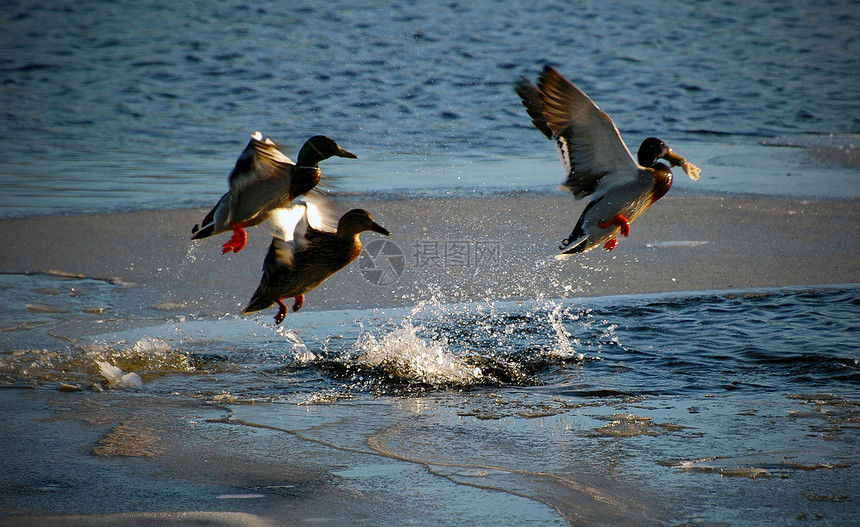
(301, 353)
(410, 357)
(563, 346)
(419, 349)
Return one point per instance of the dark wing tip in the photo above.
(531, 99)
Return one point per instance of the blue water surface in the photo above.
(126, 105)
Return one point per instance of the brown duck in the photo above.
(304, 254)
(265, 179)
(597, 163)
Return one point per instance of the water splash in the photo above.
(300, 351)
(405, 355)
(438, 346)
(82, 363)
(563, 348)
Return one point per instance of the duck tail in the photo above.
(214, 216)
(198, 233)
(577, 242)
(258, 302)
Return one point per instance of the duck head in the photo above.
(357, 221)
(653, 149)
(319, 148)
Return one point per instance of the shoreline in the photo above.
(459, 250)
(462, 249)
(430, 194)
(797, 169)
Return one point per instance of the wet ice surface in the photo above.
(736, 407)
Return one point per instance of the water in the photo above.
(702, 396)
(747, 343)
(123, 105)
(750, 343)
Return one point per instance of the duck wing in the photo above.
(260, 178)
(531, 99)
(590, 145)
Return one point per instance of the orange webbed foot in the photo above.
(611, 244)
(282, 311)
(237, 242)
(622, 222)
(618, 220)
(300, 301)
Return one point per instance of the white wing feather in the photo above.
(290, 226)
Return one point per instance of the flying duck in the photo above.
(304, 253)
(598, 163)
(265, 179)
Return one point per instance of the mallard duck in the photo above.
(598, 163)
(303, 254)
(265, 179)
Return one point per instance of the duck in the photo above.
(305, 251)
(265, 179)
(597, 162)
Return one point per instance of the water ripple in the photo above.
(379, 74)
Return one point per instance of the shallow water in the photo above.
(672, 344)
(103, 112)
(701, 396)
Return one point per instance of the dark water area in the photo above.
(122, 105)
